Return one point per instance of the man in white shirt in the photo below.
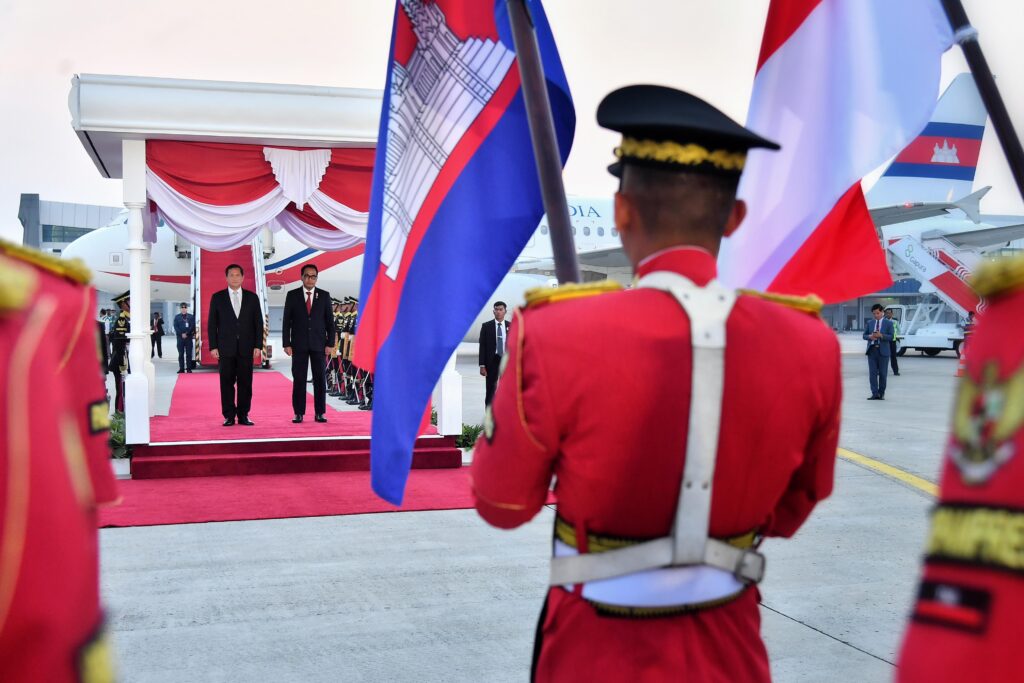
(493, 334)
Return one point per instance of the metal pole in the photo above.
(967, 37)
(545, 143)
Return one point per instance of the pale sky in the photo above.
(706, 47)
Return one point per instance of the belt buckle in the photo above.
(750, 566)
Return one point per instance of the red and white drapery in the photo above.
(218, 196)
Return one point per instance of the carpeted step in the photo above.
(176, 466)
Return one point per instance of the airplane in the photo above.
(103, 250)
(930, 237)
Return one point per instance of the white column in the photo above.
(449, 400)
(136, 384)
(147, 273)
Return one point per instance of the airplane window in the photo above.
(600, 232)
(543, 229)
(615, 233)
(574, 229)
(586, 231)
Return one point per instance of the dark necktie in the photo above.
(501, 339)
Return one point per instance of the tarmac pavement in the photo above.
(440, 596)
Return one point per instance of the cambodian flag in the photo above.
(455, 198)
(842, 85)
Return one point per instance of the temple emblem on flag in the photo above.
(435, 98)
(945, 154)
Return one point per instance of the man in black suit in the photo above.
(235, 331)
(493, 334)
(308, 336)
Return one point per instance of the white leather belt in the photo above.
(688, 547)
(667, 587)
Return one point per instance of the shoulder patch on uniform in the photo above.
(72, 269)
(807, 304)
(17, 286)
(538, 296)
(999, 276)
(99, 417)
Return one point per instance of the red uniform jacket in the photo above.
(596, 392)
(54, 471)
(969, 614)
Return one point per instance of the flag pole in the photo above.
(545, 143)
(967, 37)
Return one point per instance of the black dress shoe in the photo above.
(320, 418)
(246, 421)
(881, 397)
(189, 371)
(181, 372)
(872, 398)
(229, 422)
(368, 406)
(297, 419)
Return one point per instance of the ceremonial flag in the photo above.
(455, 198)
(842, 85)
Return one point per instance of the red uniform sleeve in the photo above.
(513, 459)
(80, 367)
(812, 481)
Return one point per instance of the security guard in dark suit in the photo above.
(119, 330)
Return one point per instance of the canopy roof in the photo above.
(108, 109)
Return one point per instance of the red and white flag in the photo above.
(842, 85)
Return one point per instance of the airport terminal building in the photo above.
(52, 226)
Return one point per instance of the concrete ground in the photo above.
(440, 596)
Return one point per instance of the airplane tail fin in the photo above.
(939, 164)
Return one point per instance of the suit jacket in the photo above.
(489, 341)
(185, 324)
(887, 336)
(304, 331)
(233, 336)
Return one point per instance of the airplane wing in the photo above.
(890, 215)
(988, 237)
(608, 257)
(902, 213)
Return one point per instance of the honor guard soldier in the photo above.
(119, 330)
(662, 503)
(334, 363)
(54, 472)
(969, 613)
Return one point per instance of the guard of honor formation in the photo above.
(661, 511)
(344, 379)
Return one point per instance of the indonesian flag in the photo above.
(842, 85)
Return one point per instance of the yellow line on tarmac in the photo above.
(889, 471)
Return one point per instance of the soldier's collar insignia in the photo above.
(987, 416)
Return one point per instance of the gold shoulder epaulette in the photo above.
(999, 276)
(72, 269)
(807, 304)
(538, 296)
(17, 286)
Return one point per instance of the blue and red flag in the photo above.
(455, 198)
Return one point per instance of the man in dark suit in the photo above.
(308, 336)
(493, 334)
(184, 333)
(878, 334)
(235, 331)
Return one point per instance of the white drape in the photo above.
(299, 172)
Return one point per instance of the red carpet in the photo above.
(195, 413)
(221, 499)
